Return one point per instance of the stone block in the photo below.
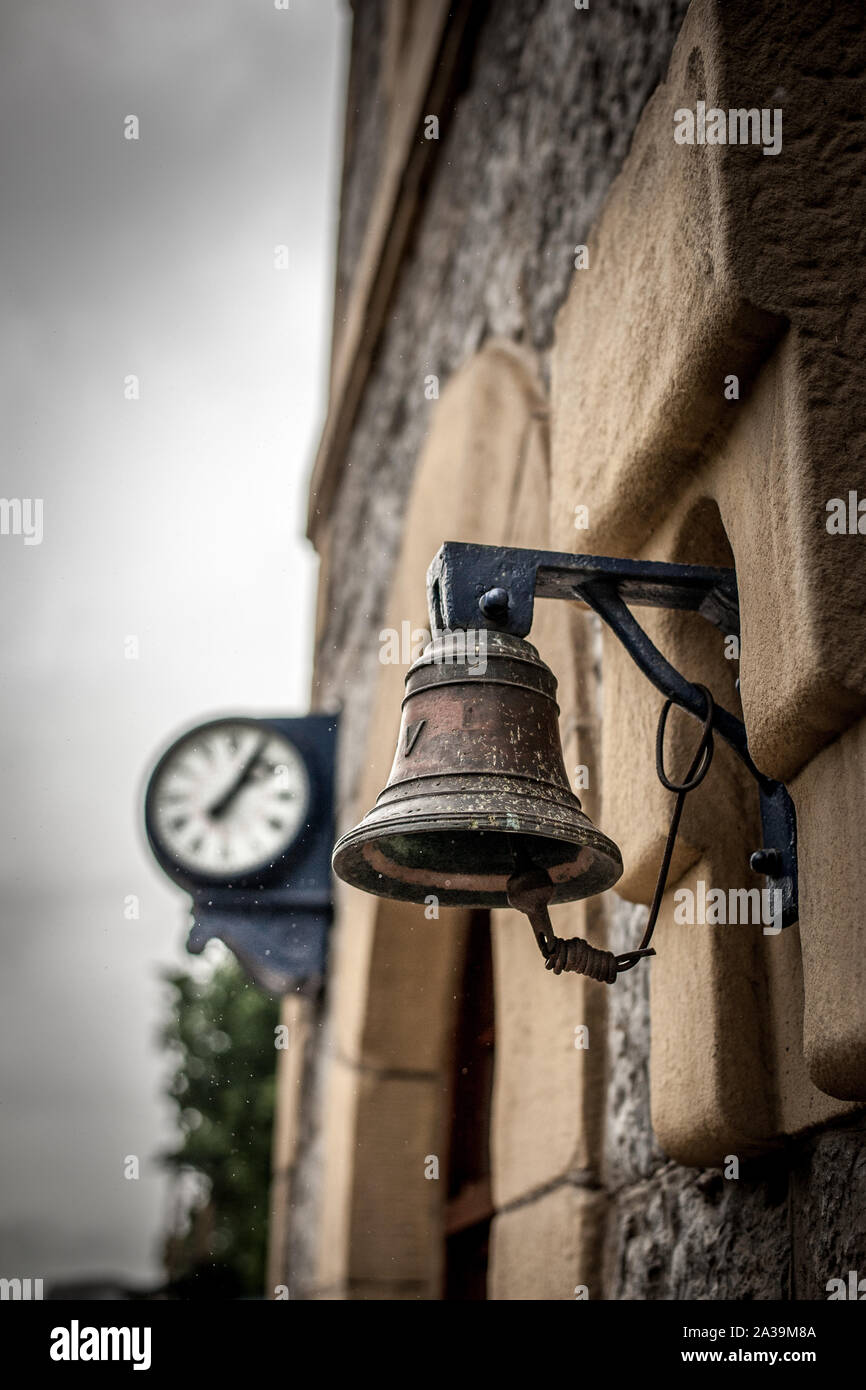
(380, 1219)
(396, 979)
(830, 796)
(722, 282)
(548, 1090)
(396, 1212)
(683, 1235)
(549, 1247)
(711, 1080)
(828, 1209)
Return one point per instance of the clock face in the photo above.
(228, 799)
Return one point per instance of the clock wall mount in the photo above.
(238, 812)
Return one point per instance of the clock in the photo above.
(227, 802)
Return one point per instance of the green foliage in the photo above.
(221, 1032)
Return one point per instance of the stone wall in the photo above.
(540, 131)
(792, 1221)
(533, 145)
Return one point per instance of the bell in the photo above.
(478, 800)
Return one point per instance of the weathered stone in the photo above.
(396, 1223)
(548, 1248)
(630, 1148)
(832, 850)
(379, 1218)
(543, 1123)
(702, 275)
(568, 86)
(645, 439)
(394, 975)
(683, 1235)
(710, 1077)
(725, 279)
(828, 1204)
(296, 1015)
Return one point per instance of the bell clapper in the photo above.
(530, 892)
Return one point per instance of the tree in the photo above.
(221, 1031)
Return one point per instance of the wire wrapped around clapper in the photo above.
(530, 892)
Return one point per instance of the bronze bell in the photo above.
(478, 805)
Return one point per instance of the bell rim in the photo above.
(347, 850)
(470, 820)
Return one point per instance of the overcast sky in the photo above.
(176, 519)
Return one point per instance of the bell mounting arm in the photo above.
(473, 587)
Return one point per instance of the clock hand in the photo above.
(219, 807)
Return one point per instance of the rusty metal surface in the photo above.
(478, 789)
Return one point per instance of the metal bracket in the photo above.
(494, 587)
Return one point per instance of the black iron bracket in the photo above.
(475, 587)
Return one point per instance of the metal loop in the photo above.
(530, 892)
(629, 959)
(703, 753)
(578, 956)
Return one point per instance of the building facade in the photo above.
(597, 292)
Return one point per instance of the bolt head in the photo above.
(767, 861)
(494, 604)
